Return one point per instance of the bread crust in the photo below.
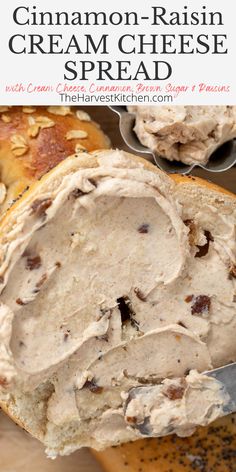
(49, 182)
(28, 151)
(210, 449)
(88, 160)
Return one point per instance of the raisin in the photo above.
(201, 305)
(203, 250)
(189, 298)
(20, 302)
(143, 229)
(33, 262)
(131, 419)
(174, 392)
(232, 272)
(39, 207)
(93, 387)
(192, 231)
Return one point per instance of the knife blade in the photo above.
(227, 377)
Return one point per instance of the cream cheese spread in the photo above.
(119, 294)
(189, 134)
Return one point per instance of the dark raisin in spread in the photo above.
(143, 229)
(174, 392)
(33, 263)
(201, 305)
(39, 207)
(93, 387)
(232, 272)
(203, 250)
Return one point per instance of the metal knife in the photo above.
(227, 377)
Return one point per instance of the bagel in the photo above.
(117, 289)
(210, 448)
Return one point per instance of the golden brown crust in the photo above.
(179, 178)
(186, 179)
(86, 160)
(34, 140)
(71, 163)
(5, 407)
(209, 449)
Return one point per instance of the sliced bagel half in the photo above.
(117, 293)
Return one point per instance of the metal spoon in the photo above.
(221, 160)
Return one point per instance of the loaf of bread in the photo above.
(117, 292)
(33, 140)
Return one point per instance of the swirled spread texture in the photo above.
(117, 293)
(189, 134)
